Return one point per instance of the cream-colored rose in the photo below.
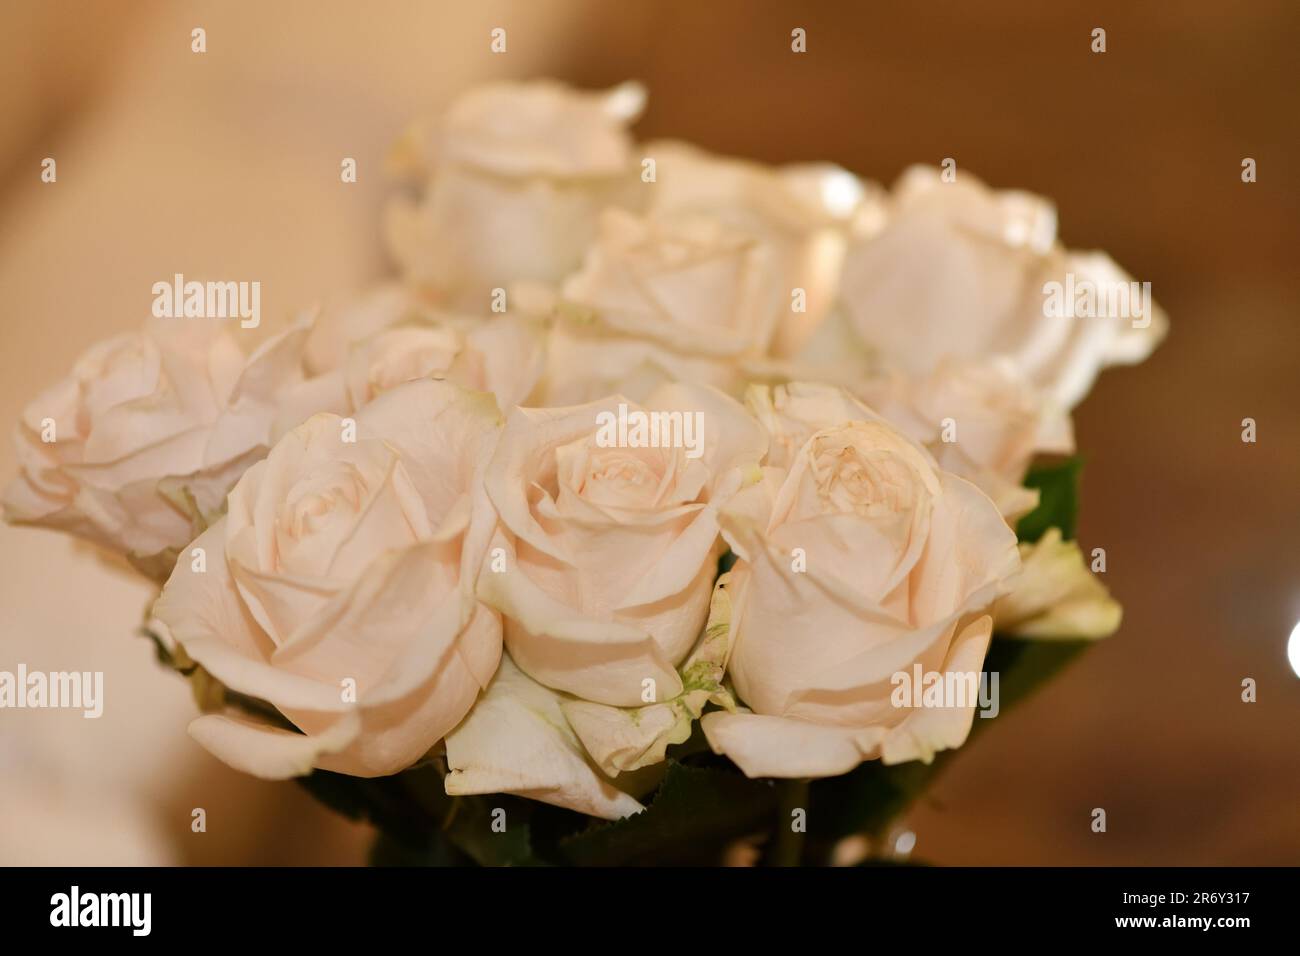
(803, 214)
(1055, 596)
(611, 557)
(339, 587)
(513, 177)
(962, 270)
(137, 448)
(393, 335)
(981, 420)
(857, 561)
(687, 300)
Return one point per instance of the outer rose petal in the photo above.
(439, 430)
(540, 128)
(1001, 420)
(395, 734)
(405, 626)
(516, 740)
(601, 660)
(270, 752)
(770, 666)
(1085, 346)
(932, 729)
(390, 631)
(763, 746)
(970, 554)
(205, 606)
(252, 407)
(203, 612)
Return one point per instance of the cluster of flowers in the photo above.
(395, 524)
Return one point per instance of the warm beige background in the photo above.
(227, 164)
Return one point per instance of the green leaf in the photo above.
(470, 829)
(695, 814)
(1058, 503)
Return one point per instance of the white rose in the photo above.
(960, 270)
(654, 301)
(856, 562)
(137, 448)
(339, 588)
(612, 553)
(802, 213)
(393, 335)
(517, 173)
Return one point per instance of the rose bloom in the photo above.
(857, 558)
(981, 420)
(803, 214)
(512, 178)
(149, 432)
(960, 269)
(605, 584)
(394, 335)
(654, 302)
(339, 587)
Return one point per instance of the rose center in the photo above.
(310, 503)
(866, 483)
(619, 479)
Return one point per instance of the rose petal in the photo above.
(269, 752)
(516, 740)
(763, 746)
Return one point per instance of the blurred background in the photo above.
(227, 163)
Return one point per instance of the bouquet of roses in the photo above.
(663, 507)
